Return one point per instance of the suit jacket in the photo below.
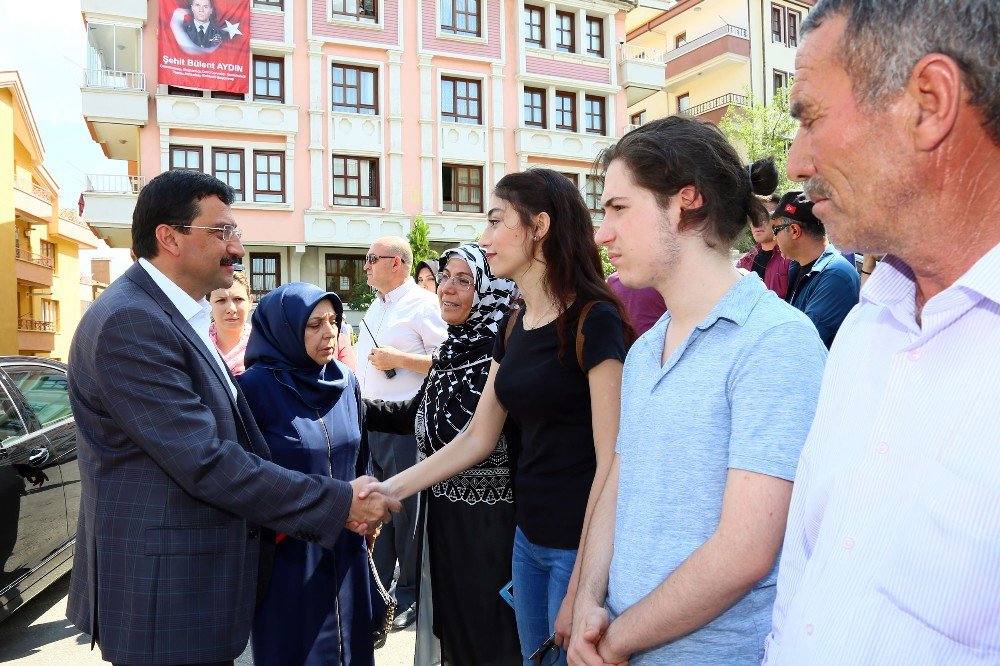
(176, 487)
(212, 37)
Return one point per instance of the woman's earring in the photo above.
(534, 237)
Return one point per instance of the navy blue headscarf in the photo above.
(277, 342)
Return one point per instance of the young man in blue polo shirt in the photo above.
(680, 562)
(821, 282)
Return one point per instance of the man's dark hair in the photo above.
(884, 39)
(668, 154)
(172, 198)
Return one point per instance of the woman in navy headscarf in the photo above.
(317, 609)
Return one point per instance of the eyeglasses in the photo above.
(226, 231)
(547, 653)
(461, 283)
(372, 258)
(778, 227)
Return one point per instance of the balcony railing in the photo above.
(25, 324)
(23, 254)
(705, 39)
(716, 103)
(633, 52)
(109, 78)
(72, 217)
(115, 184)
(33, 189)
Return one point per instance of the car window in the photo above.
(11, 425)
(45, 391)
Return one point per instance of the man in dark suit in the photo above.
(179, 499)
(202, 29)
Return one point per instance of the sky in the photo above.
(45, 41)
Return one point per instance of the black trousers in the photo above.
(392, 454)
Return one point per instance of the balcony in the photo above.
(356, 132)
(32, 269)
(714, 109)
(642, 71)
(723, 47)
(109, 201)
(442, 229)
(126, 9)
(201, 113)
(35, 336)
(33, 201)
(68, 225)
(353, 228)
(463, 142)
(560, 145)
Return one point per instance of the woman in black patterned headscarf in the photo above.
(469, 517)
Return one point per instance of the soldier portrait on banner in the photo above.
(205, 44)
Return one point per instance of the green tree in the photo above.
(361, 297)
(420, 242)
(609, 268)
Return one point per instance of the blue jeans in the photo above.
(541, 577)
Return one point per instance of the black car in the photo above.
(39, 478)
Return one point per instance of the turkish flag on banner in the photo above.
(205, 44)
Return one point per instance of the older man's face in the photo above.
(853, 159)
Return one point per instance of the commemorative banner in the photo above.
(205, 44)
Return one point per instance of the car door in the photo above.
(32, 504)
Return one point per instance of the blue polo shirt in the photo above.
(827, 293)
(721, 401)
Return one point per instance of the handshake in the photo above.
(370, 506)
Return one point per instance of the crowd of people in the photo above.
(784, 459)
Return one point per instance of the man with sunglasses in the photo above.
(765, 259)
(401, 330)
(821, 282)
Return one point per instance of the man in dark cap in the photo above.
(821, 282)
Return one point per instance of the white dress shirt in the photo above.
(892, 551)
(409, 319)
(197, 313)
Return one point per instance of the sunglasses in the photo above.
(778, 227)
(372, 258)
(547, 653)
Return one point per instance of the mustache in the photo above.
(816, 188)
(232, 260)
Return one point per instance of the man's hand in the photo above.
(385, 358)
(586, 645)
(369, 512)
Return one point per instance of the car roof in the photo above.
(17, 360)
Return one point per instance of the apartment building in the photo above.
(40, 242)
(711, 53)
(361, 115)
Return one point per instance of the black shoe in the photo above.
(405, 618)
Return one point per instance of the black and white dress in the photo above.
(470, 517)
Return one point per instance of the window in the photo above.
(362, 11)
(460, 17)
(355, 181)
(11, 425)
(595, 36)
(794, 18)
(462, 188)
(593, 191)
(594, 116)
(683, 102)
(185, 157)
(268, 79)
(50, 313)
(680, 40)
(781, 80)
(269, 176)
(565, 32)
(566, 111)
(184, 92)
(268, 4)
(460, 100)
(265, 273)
(573, 178)
(534, 26)
(638, 118)
(48, 252)
(45, 390)
(777, 24)
(534, 107)
(219, 94)
(344, 272)
(227, 166)
(355, 89)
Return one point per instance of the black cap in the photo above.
(797, 208)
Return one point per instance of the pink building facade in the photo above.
(362, 115)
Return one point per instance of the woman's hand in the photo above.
(386, 358)
(564, 621)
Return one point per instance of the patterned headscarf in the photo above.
(462, 362)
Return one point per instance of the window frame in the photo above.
(280, 61)
(777, 22)
(356, 278)
(239, 192)
(187, 149)
(561, 46)
(684, 96)
(640, 116)
(453, 29)
(222, 94)
(530, 10)
(269, 4)
(455, 116)
(680, 39)
(373, 169)
(603, 115)
(560, 112)
(592, 195)
(542, 93)
(282, 173)
(48, 250)
(792, 31)
(455, 205)
(357, 16)
(181, 91)
(599, 22)
(257, 294)
(360, 107)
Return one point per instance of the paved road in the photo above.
(40, 635)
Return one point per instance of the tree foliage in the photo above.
(419, 239)
(762, 130)
(609, 268)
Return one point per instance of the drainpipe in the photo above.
(763, 50)
(751, 50)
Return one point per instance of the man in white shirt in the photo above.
(405, 321)
(892, 550)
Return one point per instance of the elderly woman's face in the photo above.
(456, 291)
(321, 333)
